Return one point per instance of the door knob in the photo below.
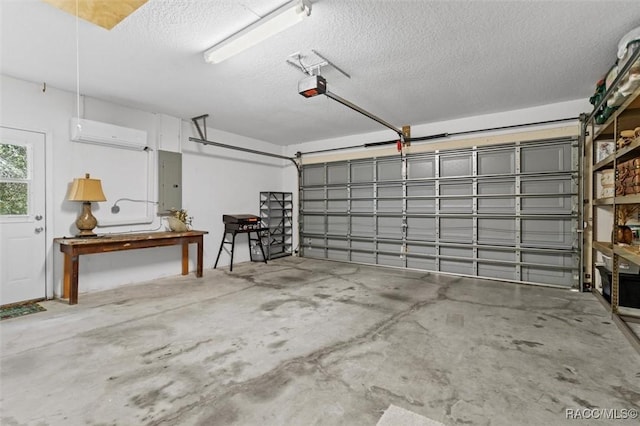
(38, 217)
(39, 229)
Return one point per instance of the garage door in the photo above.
(506, 212)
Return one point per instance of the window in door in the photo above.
(14, 179)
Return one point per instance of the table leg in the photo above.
(200, 257)
(185, 258)
(66, 289)
(70, 278)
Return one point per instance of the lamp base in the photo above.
(91, 235)
(86, 222)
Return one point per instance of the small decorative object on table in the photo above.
(179, 220)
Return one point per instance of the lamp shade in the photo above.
(86, 189)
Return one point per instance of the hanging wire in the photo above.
(77, 62)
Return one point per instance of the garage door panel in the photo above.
(421, 263)
(388, 260)
(362, 226)
(552, 158)
(389, 206)
(368, 246)
(362, 257)
(421, 249)
(313, 205)
(495, 254)
(362, 206)
(497, 205)
(314, 252)
(389, 191)
(497, 231)
(546, 205)
(457, 267)
(456, 252)
(455, 165)
(390, 248)
(313, 194)
(421, 206)
(390, 227)
(362, 172)
(339, 255)
(456, 229)
(313, 175)
(547, 276)
(389, 170)
(314, 224)
(496, 162)
(392, 205)
(552, 259)
(421, 168)
(337, 173)
(337, 205)
(547, 232)
(337, 225)
(421, 189)
(501, 204)
(337, 243)
(560, 204)
(505, 272)
(456, 205)
(506, 212)
(421, 228)
(493, 187)
(362, 199)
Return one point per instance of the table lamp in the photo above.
(86, 190)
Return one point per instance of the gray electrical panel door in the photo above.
(506, 212)
(169, 181)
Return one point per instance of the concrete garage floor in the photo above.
(306, 342)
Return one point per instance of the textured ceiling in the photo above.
(411, 62)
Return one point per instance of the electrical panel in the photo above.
(169, 181)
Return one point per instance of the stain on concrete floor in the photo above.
(302, 341)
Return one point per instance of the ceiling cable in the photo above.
(441, 135)
(77, 62)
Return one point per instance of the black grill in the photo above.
(241, 222)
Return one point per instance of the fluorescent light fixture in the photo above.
(280, 19)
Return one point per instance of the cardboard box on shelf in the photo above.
(605, 184)
(604, 149)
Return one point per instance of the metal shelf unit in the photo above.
(276, 213)
(601, 213)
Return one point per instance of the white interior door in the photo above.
(22, 210)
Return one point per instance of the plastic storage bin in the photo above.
(624, 266)
(629, 288)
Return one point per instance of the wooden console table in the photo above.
(74, 247)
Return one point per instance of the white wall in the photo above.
(215, 181)
(219, 181)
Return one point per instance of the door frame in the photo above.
(48, 202)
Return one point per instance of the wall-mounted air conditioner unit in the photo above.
(98, 133)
